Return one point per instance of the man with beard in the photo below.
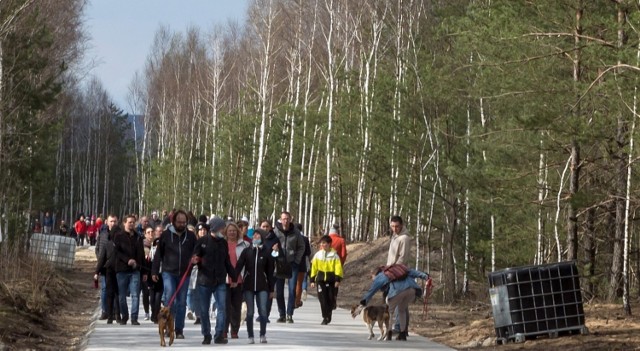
(293, 248)
(174, 252)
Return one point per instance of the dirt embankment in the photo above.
(468, 323)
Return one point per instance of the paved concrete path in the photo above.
(306, 333)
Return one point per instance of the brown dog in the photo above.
(165, 325)
(373, 315)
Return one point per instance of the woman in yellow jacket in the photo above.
(326, 273)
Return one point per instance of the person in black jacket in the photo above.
(173, 253)
(211, 254)
(270, 245)
(259, 281)
(105, 268)
(128, 262)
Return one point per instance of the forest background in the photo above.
(501, 131)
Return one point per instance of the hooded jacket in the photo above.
(214, 264)
(292, 243)
(258, 268)
(173, 252)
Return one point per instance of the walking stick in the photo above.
(428, 286)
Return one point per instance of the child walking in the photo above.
(326, 273)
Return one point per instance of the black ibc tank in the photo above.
(536, 300)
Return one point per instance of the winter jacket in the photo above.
(80, 227)
(173, 252)
(214, 265)
(326, 267)
(337, 242)
(128, 246)
(382, 282)
(292, 243)
(259, 268)
(106, 251)
(269, 241)
(399, 248)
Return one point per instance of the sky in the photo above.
(121, 32)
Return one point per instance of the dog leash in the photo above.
(428, 286)
(184, 278)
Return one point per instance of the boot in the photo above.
(389, 335)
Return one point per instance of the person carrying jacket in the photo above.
(173, 254)
(211, 254)
(259, 282)
(129, 260)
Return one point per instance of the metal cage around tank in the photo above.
(530, 301)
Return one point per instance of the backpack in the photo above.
(395, 271)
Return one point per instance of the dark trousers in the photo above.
(327, 298)
(144, 287)
(234, 307)
(113, 308)
(155, 299)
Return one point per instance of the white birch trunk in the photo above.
(264, 99)
(557, 234)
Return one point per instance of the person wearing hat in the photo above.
(257, 268)
(173, 253)
(211, 254)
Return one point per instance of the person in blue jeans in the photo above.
(259, 281)
(211, 254)
(293, 247)
(173, 253)
(129, 255)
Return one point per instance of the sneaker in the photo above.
(234, 335)
(134, 322)
(197, 320)
(304, 295)
(263, 339)
(252, 341)
(220, 340)
(190, 315)
(179, 335)
(282, 319)
(289, 319)
(207, 340)
(146, 316)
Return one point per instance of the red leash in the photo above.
(428, 285)
(184, 278)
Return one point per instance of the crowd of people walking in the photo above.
(203, 266)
